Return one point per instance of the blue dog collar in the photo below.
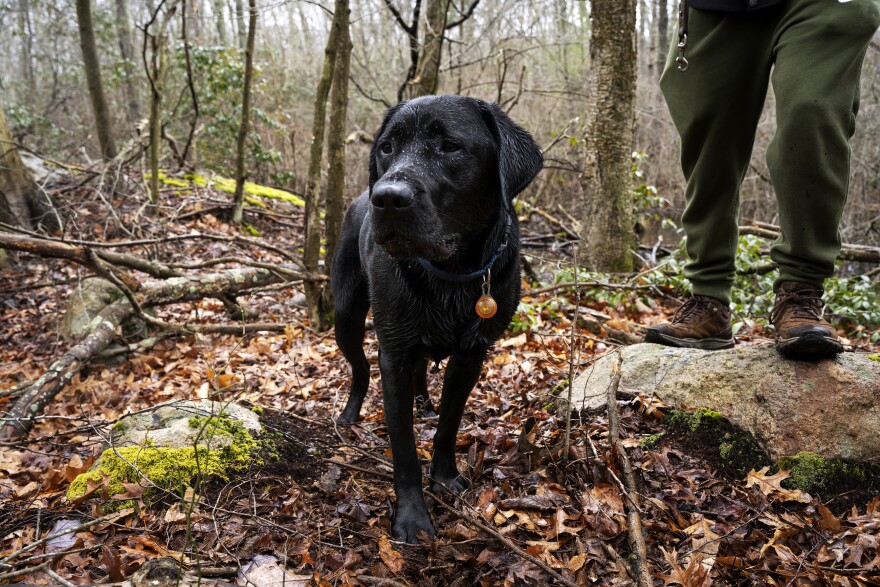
(461, 278)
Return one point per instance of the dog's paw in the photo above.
(456, 484)
(408, 523)
(348, 417)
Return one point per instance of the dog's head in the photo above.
(442, 169)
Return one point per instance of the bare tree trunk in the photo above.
(662, 35)
(428, 70)
(312, 251)
(608, 236)
(27, 60)
(239, 19)
(156, 75)
(123, 31)
(190, 82)
(103, 121)
(221, 21)
(238, 200)
(16, 184)
(336, 147)
(195, 17)
(412, 32)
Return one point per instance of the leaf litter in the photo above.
(317, 513)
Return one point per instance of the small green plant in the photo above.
(529, 314)
(648, 203)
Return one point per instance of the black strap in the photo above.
(461, 278)
(682, 34)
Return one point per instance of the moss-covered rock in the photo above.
(710, 434)
(823, 477)
(176, 445)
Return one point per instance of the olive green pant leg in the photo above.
(715, 105)
(819, 47)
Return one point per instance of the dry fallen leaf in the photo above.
(771, 485)
(392, 559)
(264, 571)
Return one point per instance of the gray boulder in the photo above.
(830, 407)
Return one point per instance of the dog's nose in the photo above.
(392, 197)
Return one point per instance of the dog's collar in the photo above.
(461, 278)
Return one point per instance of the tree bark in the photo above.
(123, 31)
(156, 74)
(25, 29)
(16, 184)
(336, 148)
(221, 21)
(427, 76)
(312, 249)
(412, 33)
(92, 66)
(239, 20)
(608, 236)
(240, 173)
(662, 35)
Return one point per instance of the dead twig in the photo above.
(633, 518)
(504, 540)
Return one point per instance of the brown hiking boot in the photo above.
(702, 322)
(800, 330)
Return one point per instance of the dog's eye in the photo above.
(450, 147)
(385, 148)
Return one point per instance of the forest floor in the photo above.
(322, 508)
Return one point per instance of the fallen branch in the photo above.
(34, 398)
(633, 518)
(848, 251)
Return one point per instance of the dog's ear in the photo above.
(519, 156)
(374, 168)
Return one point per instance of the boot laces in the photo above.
(803, 304)
(691, 310)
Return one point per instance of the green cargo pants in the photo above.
(812, 52)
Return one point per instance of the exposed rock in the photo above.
(88, 299)
(172, 444)
(829, 407)
(171, 425)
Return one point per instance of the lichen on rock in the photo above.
(174, 446)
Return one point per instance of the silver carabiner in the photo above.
(682, 45)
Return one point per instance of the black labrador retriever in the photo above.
(433, 248)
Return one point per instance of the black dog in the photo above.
(434, 233)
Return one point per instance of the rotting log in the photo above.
(35, 397)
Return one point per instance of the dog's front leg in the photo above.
(399, 377)
(461, 376)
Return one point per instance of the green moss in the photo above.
(817, 475)
(874, 357)
(245, 227)
(698, 420)
(257, 410)
(174, 182)
(173, 469)
(652, 440)
(709, 434)
(225, 184)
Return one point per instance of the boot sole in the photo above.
(809, 346)
(706, 344)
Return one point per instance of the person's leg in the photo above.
(819, 48)
(715, 105)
